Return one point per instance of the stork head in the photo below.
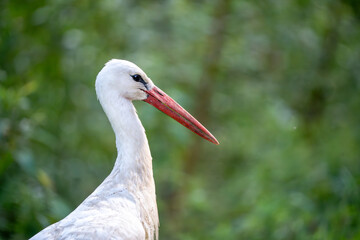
(127, 80)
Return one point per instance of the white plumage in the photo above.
(124, 205)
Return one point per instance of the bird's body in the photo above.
(124, 205)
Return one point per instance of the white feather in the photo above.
(124, 205)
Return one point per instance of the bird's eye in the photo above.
(137, 78)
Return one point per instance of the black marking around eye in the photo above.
(138, 78)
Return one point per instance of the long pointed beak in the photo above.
(167, 105)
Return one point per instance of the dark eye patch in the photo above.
(138, 78)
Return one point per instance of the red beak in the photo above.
(167, 105)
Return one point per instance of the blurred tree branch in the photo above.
(211, 69)
(318, 93)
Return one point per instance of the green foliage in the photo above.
(277, 82)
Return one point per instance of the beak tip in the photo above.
(213, 140)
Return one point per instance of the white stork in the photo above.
(124, 205)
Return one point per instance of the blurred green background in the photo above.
(277, 82)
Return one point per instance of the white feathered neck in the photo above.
(133, 166)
